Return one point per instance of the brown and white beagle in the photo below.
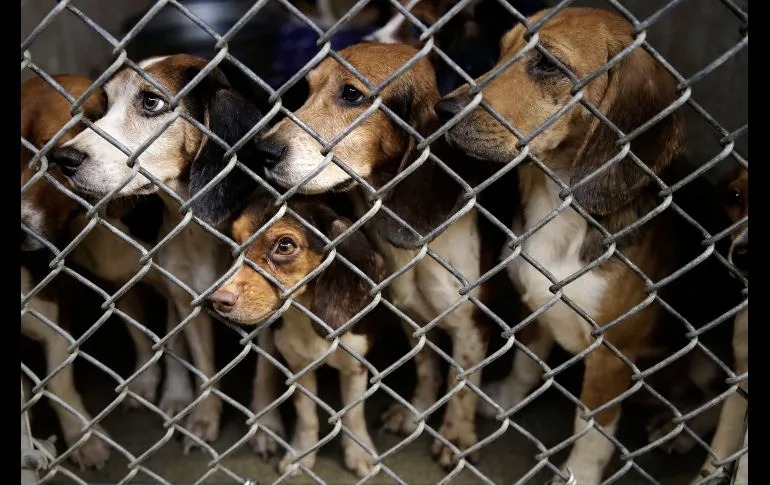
(182, 158)
(49, 220)
(573, 146)
(729, 436)
(288, 251)
(376, 150)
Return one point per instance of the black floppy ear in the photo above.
(425, 198)
(638, 88)
(230, 117)
(339, 293)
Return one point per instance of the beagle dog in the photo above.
(183, 159)
(49, 219)
(377, 150)
(729, 434)
(575, 146)
(288, 251)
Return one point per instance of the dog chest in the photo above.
(297, 341)
(556, 247)
(427, 288)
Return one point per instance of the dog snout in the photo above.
(272, 150)
(223, 301)
(446, 109)
(740, 257)
(68, 159)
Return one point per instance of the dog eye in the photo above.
(351, 95)
(152, 103)
(284, 248)
(542, 66)
(733, 198)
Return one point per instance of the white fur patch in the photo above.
(590, 453)
(387, 33)
(556, 246)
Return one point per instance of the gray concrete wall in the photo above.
(68, 45)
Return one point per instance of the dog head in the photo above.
(182, 156)
(737, 206)
(337, 99)
(45, 210)
(289, 251)
(534, 88)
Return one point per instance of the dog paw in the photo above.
(292, 469)
(358, 460)
(94, 453)
(461, 437)
(144, 385)
(174, 400)
(204, 422)
(262, 443)
(661, 425)
(399, 420)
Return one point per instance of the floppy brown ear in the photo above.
(638, 88)
(339, 293)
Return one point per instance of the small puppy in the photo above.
(280, 259)
(729, 433)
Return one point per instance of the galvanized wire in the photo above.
(376, 198)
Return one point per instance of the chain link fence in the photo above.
(190, 399)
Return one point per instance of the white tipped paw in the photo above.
(399, 420)
(262, 443)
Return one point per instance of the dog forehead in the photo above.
(375, 61)
(585, 30)
(168, 71)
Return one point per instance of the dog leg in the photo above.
(94, 452)
(727, 437)
(398, 418)
(469, 347)
(353, 383)
(525, 372)
(203, 421)
(177, 388)
(605, 377)
(264, 393)
(145, 384)
(306, 428)
(742, 475)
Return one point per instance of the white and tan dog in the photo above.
(51, 219)
(184, 159)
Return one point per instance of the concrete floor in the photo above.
(503, 461)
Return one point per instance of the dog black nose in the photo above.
(446, 109)
(223, 301)
(68, 159)
(740, 257)
(272, 150)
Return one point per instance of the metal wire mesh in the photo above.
(130, 388)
